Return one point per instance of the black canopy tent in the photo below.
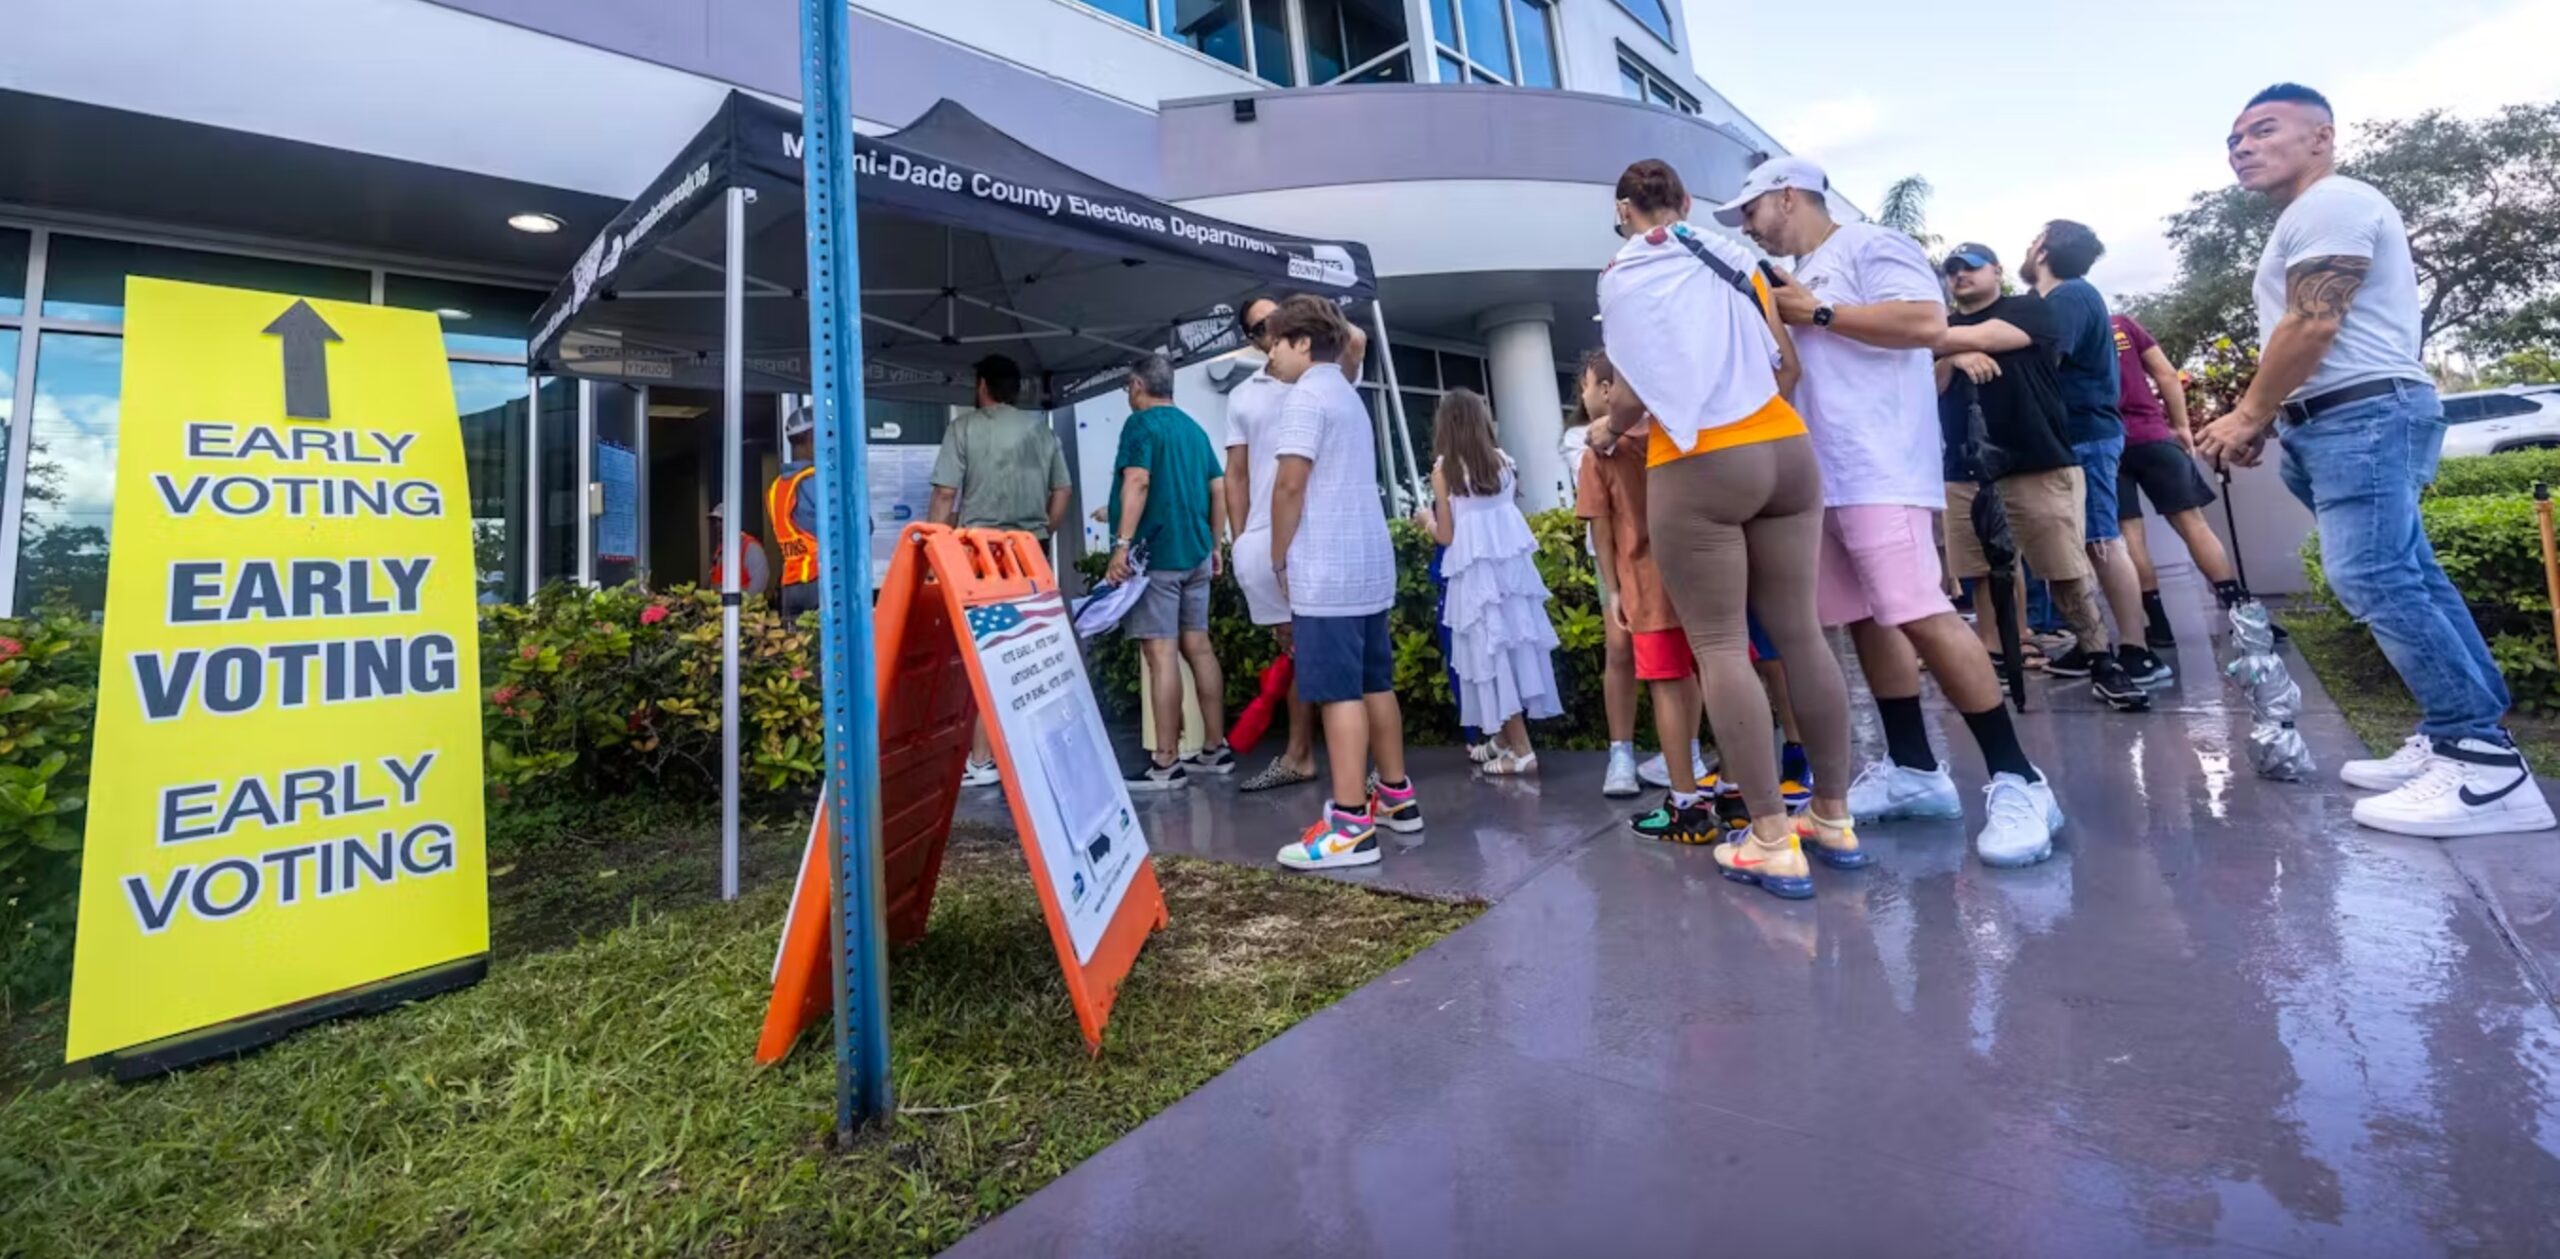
(972, 243)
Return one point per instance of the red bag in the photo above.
(1255, 720)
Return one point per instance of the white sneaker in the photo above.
(980, 774)
(1884, 791)
(2391, 771)
(2021, 819)
(1656, 772)
(2471, 787)
(1621, 780)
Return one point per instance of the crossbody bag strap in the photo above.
(1724, 270)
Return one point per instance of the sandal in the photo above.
(1278, 773)
(1509, 763)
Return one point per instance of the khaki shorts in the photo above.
(2046, 515)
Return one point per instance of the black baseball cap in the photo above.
(1969, 255)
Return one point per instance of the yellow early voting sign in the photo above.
(285, 808)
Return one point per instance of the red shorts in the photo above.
(1663, 656)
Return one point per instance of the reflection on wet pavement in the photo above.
(2221, 1018)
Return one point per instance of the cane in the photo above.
(2231, 521)
(2550, 560)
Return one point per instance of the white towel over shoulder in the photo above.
(1695, 349)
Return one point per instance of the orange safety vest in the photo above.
(746, 542)
(799, 550)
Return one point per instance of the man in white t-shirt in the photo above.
(2340, 382)
(1253, 411)
(1337, 567)
(1867, 309)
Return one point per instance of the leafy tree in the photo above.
(2481, 198)
(2522, 367)
(1906, 210)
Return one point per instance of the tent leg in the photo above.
(1395, 403)
(733, 436)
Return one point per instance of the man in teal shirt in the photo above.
(1168, 494)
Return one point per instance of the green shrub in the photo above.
(2514, 472)
(1422, 675)
(48, 675)
(2491, 548)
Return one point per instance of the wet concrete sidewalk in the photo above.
(2222, 1018)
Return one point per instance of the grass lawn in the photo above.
(2371, 696)
(601, 1097)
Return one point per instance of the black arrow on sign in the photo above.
(306, 360)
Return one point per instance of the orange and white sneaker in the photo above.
(1337, 840)
(1833, 843)
(1778, 868)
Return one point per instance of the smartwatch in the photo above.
(1822, 316)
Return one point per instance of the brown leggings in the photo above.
(1739, 531)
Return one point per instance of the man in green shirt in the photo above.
(999, 467)
(1168, 494)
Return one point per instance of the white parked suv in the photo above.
(2519, 417)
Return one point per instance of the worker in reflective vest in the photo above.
(793, 515)
(757, 576)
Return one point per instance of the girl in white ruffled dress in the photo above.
(1501, 643)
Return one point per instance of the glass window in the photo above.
(1271, 43)
(1452, 70)
(1630, 83)
(1444, 21)
(1133, 12)
(1652, 14)
(1534, 23)
(560, 497)
(71, 471)
(1395, 69)
(491, 400)
(477, 318)
(1462, 371)
(1641, 82)
(1416, 368)
(84, 277)
(1344, 35)
(1208, 25)
(13, 273)
(1485, 41)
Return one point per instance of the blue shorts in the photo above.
(1761, 648)
(2100, 463)
(1341, 658)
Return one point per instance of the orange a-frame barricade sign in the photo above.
(971, 621)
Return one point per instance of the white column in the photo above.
(1528, 413)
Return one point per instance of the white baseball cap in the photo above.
(1769, 177)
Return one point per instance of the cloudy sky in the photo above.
(2113, 115)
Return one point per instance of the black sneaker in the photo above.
(1695, 824)
(1217, 760)
(1150, 776)
(2142, 666)
(2074, 663)
(2114, 688)
(1733, 813)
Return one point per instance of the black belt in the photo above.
(2304, 411)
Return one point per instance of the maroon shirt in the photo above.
(2144, 419)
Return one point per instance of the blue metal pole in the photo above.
(844, 568)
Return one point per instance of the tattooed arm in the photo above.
(2318, 292)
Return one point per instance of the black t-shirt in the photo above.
(2022, 410)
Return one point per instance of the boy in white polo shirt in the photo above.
(1334, 562)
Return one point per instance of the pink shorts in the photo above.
(1880, 563)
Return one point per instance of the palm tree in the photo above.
(1906, 210)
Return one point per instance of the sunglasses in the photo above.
(1253, 331)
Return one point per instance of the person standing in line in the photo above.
(1501, 641)
(1734, 510)
(1867, 309)
(1330, 549)
(2159, 463)
(1168, 504)
(1617, 660)
(2057, 262)
(2341, 384)
(793, 514)
(999, 468)
(2000, 352)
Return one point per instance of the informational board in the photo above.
(618, 527)
(285, 806)
(971, 621)
(901, 493)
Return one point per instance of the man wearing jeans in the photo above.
(1168, 498)
(2340, 382)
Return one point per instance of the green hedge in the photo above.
(1422, 677)
(2490, 545)
(2471, 476)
